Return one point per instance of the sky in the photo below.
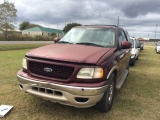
(141, 18)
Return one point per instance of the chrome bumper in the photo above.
(68, 95)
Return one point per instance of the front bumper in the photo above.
(67, 95)
(132, 60)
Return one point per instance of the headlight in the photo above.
(132, 55)
(89, 73)
(24, 63)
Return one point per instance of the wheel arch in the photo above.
(114, 70)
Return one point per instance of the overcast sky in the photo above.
(138, 17)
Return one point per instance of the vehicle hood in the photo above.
(70, 53)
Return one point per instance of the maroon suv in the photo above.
(82, 69)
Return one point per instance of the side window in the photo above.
(121, 37)
(127, 35)
(136, 44)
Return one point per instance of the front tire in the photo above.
(132, 63)
(105, 104)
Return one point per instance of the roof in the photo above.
(42, 29)
(99, 26)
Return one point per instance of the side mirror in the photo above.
(56, 39)
(126, 44)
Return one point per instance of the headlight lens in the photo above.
(90, 73)
(24, 63)
(132, 55)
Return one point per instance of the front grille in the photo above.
(50, 70)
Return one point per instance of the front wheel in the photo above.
(105, 104)
(132, 62)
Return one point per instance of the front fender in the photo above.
(115, 68)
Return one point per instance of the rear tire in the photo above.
(105, 104)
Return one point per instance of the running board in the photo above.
(121, 79)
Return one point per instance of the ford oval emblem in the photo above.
(46, 69)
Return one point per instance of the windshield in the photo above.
(104, 37)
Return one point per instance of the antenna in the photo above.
(118, 21)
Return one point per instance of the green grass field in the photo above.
(138, 99)
(5, 47)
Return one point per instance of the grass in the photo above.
(5, 47)
(138, 99)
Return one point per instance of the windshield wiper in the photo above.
(64, 42)
(88, 43)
